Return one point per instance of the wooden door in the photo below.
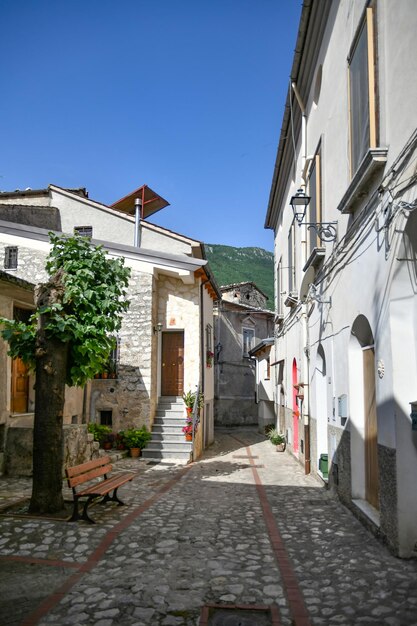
(20, 386)
(371, 434)
(172, 377)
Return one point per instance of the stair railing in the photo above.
(195, 420)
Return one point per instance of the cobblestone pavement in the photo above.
(243, 526)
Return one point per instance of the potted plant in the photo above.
(277, 439)
(108, 441)
(112, 369)
(209, 358)
(189, 401)
(188, 428)
(101, 433)
(120, 444)
(135, 439)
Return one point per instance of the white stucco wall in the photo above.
(365, 272)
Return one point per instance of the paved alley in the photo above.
(243, 527)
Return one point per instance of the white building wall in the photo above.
(362, 273)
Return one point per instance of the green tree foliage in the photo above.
(237, 265)
(89, 301)
(67, 340)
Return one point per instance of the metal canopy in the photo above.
(151, 202)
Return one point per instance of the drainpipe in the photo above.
(200, 387)
(203, 361)
(138, 216)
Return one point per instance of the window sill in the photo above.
(373, 161)
(315, 259)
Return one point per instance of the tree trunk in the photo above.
(48, 438)
(48, 452)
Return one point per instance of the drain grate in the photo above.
(239, 615)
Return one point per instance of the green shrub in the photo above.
(135, 437)
(100, 431)
(275, 437)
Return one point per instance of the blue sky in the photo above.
(183, 95)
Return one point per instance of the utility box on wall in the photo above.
(342, 408)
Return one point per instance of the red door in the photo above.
(172, 377)
(294, 406)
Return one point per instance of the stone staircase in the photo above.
(168, 441)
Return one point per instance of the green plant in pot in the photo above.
(277, 439)
(189, 400)
(135, 439)
(101, 432)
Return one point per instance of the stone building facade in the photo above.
(238, 327)
(168, 292)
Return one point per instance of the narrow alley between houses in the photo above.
(242, 532)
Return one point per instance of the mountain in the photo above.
(238, 265)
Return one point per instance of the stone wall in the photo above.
(40, 217)
(388, 497)
(79, 447)
(129, 397)
(31, 264)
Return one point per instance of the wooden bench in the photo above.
(79, 475)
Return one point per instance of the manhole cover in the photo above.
(220, 615)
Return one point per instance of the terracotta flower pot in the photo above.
(188, 437)
(135, 452)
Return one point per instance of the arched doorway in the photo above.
(294, 406)
(363, 413)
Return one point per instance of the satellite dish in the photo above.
(309, 277)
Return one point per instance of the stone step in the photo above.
(159, 456)
(115, 455)
(167, 437)
(172, 429)
(170, 402)
(168, 441)
(169, 420)
(169, 445)
(170, 413)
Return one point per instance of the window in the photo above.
(248, 335)
(268, 369)
(106, 418)
(10, 258)
(314, 209)
(291, 259)
(84, 231)
(362, 112)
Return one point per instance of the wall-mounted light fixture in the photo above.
(157, 328)
(326, 231)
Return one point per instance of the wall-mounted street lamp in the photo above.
(326, 231)
(157, 328)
